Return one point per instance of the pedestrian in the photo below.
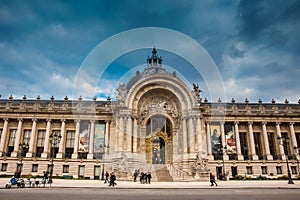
(149, 177)
(106, 177)
(112, 180)
(212, 180)
(45, 177)
(142, 177)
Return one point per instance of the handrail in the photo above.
(176, 171)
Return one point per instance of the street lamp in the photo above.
(23, 150)
(223, 152)
(103, 158)
(54, 139)
(285, 140)
(297, 149)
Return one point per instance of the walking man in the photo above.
(212, 180)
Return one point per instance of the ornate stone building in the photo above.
(157, 124)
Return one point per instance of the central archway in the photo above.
(158, 140)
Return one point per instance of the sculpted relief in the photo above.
(159, 104)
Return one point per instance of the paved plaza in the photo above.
(64, 183)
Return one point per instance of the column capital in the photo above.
(5, 119)
(77, 120)
(236, 122)
(34, 119)
(92, 121)
(208, 122)
(292, 123)
(264, 123)
(278, 123)
(63, 120)
(48, 120)
(20, 119)
(250, 122)
(222, 122)
(107, 121)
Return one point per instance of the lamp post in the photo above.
(285, 140)
(23, 149)
(297, 149)
(223, 152)
(54, 139)
(103, 158)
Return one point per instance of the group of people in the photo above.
(110, 178)
(144, 177)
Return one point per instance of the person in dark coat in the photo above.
(112, 179)
(106, 177)
(149, 177)
(212, 179)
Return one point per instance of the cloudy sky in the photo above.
(254, 44)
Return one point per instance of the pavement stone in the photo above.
(67, 183)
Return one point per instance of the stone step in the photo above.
(163, 174)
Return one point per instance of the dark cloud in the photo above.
(62, 33)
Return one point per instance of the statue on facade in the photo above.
(196, 92)
(122, 93)
(201, 164)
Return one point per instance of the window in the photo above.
(81, 171)
(41, 138)
(26, 136)
(279, 169)
(19, 166)
(70, 139)
(4, 167)
(12, 137)
(249, 170)
(97, 171)
(50, 168)
(40, 143)
(35, 168)
(69, 144)
(294, 170)
(66, 169)
(264, 170)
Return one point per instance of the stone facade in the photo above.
(156, 120)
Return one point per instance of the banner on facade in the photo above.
(99, 138)
(216, 144)
(84, 139)
(230, 139)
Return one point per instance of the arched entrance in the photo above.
(158, 140)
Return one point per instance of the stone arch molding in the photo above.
(160, 94)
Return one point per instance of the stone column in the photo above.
(266, 141)
(252, 142)
(32, 139)
(107, 134)
(91, 142)
(121, 133)
(224, 143)
(46, 147)
(184, 139)
(135, 135)
(76, 140)
(199, 135)
(18, 139)
(3, 137)
(281, 148)
(129, 134)
(238, 142)
(191, 136)
(293, 136)
(62, 143)
(208, 138)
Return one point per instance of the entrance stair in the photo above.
(162, 173)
